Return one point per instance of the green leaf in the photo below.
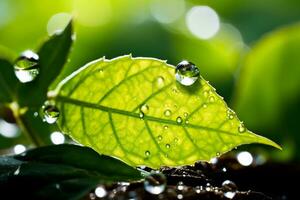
(8, 81)
(60, 172)
(268, 95)
(52, 57)
(100, 108)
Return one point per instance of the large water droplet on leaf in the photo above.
(229, 186)
(186, 73)
(27, 66)
(51, 113)
(155, 183)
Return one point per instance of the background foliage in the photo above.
(252, 64)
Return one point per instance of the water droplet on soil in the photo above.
(100, 192)
(155, 183)
(180, 185)
(229, 186)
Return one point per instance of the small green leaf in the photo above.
(134, 109)
(52, 57)
(60, 172)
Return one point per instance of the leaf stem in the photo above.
(17, 112)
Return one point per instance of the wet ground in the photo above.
(223, 178)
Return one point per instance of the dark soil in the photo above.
(204, 181)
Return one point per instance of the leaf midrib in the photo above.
(65, 99)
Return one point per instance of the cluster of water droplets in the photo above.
(27, 66)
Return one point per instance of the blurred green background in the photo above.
(248, 49)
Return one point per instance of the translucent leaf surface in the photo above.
(134, 109)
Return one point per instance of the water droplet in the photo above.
(27, 66)
(51, 113)
(100, 192)
(35, 114)
(229, 195)
(168, 146)
(19, 148)
(147, 153)
(204, 105)
(208, 188)
(167, 113)
(224, 169)
(186, 73)
(141, 115)
(166, 127)
(180, 185)
(211, 99)
(198, 189)
(185, 114)
(160, 81)
(218, 154)
(144, 108)
(179, 196)
(241, 128)
(179, 120)
(17, 172)
(186, 121)
(229, 186)
(155, 183)
(159, 137)
(205, 93)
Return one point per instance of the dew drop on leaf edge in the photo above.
(186, 73)
(26, 67)
(241, 128)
